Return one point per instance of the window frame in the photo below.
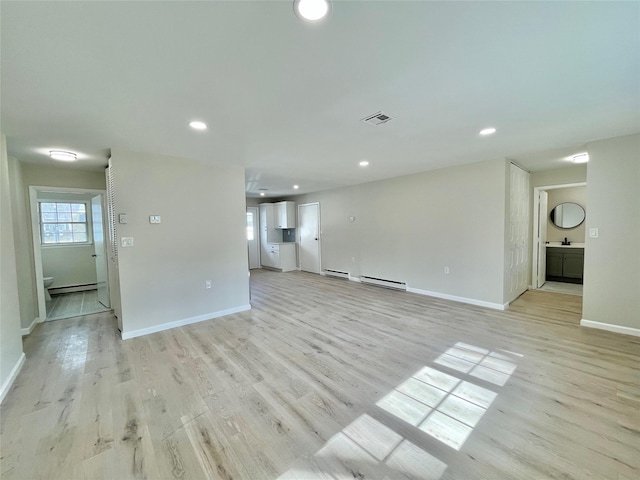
(88, 223)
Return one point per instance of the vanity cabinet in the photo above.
(565, 264)
(285, 215)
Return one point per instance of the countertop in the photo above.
(559, 244)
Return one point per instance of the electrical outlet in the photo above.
(207, 284)
(446, 270)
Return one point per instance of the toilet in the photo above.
(48, 281)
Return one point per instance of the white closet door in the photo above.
(518, 234)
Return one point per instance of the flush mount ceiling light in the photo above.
(198, 125)
(295, 187)
(262, 194)
(311, 10)
(487, 131)
(364, 163)
(63, 156)
(580, 158)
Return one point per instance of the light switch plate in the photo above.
(122, 218)
(126, 241)
(593, 233)
(154, 218)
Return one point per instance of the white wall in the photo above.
(202, 237)
(574, 173)
(69, 265)
(11, 355)
(23, 246)
(62, 176)
(409, 228)
(612, 261)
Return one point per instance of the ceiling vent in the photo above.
(377, 119)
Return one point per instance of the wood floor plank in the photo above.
(330, 379)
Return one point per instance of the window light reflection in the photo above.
(367, 449)
(445, 406)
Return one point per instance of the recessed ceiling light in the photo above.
(311, 10)
(487, 131)
(295, 187)
(198, 125)
(262, 194)
(364, 163)
(63, 156)
(580, 158)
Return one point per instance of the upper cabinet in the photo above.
(268, 222)
(284, 214)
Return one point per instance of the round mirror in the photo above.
(567, 215)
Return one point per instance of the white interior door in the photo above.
(518, 246)
(253, 237)
(309, 237)
(100, 251)
(542, 238)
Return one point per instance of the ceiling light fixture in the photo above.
(63, 156)
(198, 125)
(580, 158)
(487, 131)
(262, 194)
(311, 10)
(295, 187)
(364, 163)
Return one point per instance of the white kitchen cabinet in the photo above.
(268, 231)
(280, 256)
(285, 214)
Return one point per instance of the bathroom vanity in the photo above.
(565, 263)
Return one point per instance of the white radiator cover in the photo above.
(382, 282)
(336, 273)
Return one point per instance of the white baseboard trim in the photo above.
(355, 279)
(471, 301)
(29, 329)
(185, 321)
(610, 327)
(6, 386)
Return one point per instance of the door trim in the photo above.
(298, 229)
(35, 235)
(256, 226)
(535, 226)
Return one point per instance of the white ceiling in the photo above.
(284, 98)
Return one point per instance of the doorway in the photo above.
(253, 239)
(69, 251)
(309, 237)
(546, 236)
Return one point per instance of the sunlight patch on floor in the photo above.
(443, 406)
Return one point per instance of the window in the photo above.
(249, 226)
(63, 222)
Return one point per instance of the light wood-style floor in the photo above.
(330, 379)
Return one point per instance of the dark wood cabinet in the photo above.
(565, 264)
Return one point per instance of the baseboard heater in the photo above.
(336, 273)
(381, 282)
(74, 288)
